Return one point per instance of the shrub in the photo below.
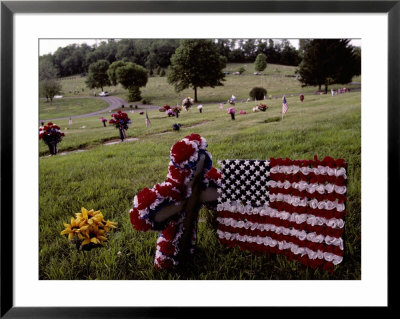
(241, 70)
(258, 93)
(162, 73)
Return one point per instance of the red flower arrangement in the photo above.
(213, 174)
(184, 156)
(327, 161)
(51, 135)
(120, 120)
(167, 190)
(145, 198)
(137, 222)
(181, 152)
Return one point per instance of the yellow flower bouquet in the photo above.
(89, 229)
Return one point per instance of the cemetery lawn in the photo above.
(107, 178)
(65, 107)
(277, 79)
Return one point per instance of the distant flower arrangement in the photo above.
(104, 120)
(232, 100)
(242, 112)
(51, 135)
(176, 110)
(232, 111)
(120, 120)
(262, 107)
(170, 112)
(187, 103)
(166, 107)
(88, 230)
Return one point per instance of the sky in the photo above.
(51, 45)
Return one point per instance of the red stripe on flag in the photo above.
(311, 177)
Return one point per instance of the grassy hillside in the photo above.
(277, 79)
(107, 178)
(65, 107)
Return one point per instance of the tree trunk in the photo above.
(319, 87)
(195, 94)
(326, 88)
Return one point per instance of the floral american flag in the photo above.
(290, 207)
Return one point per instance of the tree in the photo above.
(97, 76)
(261, 62)
(46, 70)
(357, 55)
(196, 64)
(327, 61)
(112, 71)
(303, 43)
(289, 55)
(48, 88)
(250, 50)
(132, 77)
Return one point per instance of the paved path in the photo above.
(114, 103)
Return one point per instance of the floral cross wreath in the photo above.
(172, 206)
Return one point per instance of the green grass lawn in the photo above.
(107, 178)
(276, 79)
(65, 107)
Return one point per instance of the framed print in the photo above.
(282, 176)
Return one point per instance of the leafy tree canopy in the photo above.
(196, 64)
(328, 61)
(112, 71)
(131, 75)
(97, 76)
(261, 62)
(48, 88)
(46, 69)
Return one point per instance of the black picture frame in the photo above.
(9, 8)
